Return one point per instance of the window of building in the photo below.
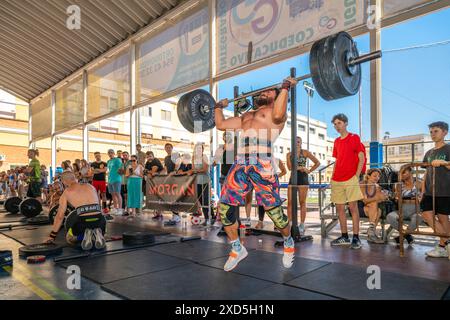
(312, 130)
(8, 115)
(149, 111)
(166, 138)
(165, 115)
(109, 129)
(147, 135)
(281, 149)
(289, 124)
(404, 150)
(391, 151)
(321, 136)
(301, 128)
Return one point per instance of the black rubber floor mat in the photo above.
(116, 229)
(187, 282)
(9, 217)
(283, 292)
(352, 282)
(268, 266)
(70, 253)
(196, 250)
(38, 234)
(28, 235)
(113, 267)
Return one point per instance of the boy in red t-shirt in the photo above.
(349, 153)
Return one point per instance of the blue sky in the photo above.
(416, 83)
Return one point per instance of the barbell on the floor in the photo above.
(29, 207)
(335, 69)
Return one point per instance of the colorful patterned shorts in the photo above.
(246, 174)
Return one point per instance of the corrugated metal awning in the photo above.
(37, 50)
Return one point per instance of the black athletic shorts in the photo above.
(442, 204)
(78, 220)
(34, 189)
(302, 179)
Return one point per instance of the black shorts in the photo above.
(77, 224)
(302, 179)
(34, 189)
(442, 204)
(123, 189)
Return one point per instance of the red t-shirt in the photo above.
(346, 153)
(363, 171)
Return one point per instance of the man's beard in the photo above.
(262, 101)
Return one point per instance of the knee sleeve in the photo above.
(227, 214)
(280, 220)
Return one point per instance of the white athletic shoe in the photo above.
(176, 218)
(301, 229)
(235, 258)
(288, 257)
(100, 241)
(86, 243)
(438, 252)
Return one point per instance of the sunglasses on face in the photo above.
(132, 160)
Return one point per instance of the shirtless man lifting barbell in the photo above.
(253, 168)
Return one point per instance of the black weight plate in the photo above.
(317, 75)
(203, 118)
(30, 207)
(134, 238)
(52, 214)
(53, 211)
(39, 220)
(350, 82)
(338, 80)
(12, 204)
(183, 114)
(44, 249)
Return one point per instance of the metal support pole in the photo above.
(213, 87)
(31, 144)
(308, 121)
(360, 111)
(375, 82)
(293, 203)
(236, 114)
(133, 117)
(85, 111)
(53, 136)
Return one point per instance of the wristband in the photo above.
(286, 85)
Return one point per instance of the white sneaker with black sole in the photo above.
(100, 241)
(86, 243)
(438, 252)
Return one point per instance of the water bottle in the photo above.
(260, 242)
(242, 230)
(184, 221)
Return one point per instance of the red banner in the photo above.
(172, 193)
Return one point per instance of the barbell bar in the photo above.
(335, 70)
